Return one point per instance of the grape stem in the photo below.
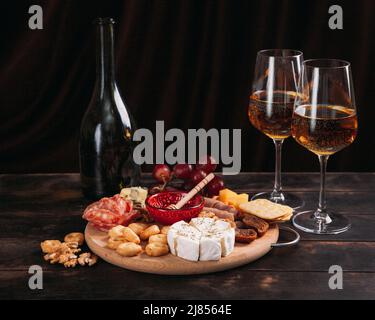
(165, 182)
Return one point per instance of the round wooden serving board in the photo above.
(172, 265)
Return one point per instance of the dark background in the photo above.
(189, 63)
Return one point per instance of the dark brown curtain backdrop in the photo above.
(189, 63)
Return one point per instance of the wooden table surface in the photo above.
(47, 206)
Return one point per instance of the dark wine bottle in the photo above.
(106, 145)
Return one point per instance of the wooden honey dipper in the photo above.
(192, 192)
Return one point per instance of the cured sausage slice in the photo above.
(216, 204)
(110, 212)
(245, 235)
(258, 224)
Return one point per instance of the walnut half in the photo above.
(70, 263)
(66, 252)
(87, 258)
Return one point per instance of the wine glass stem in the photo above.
(321, 212)
(277, 189)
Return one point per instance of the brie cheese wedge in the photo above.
(210, 248)
(202, 224)
(226, 239)
(202, 239)
(172, 234)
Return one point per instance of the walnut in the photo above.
(63, 258)
(72, 244)
(93, 260)
(66, 252)
(87, 258)
(50, 246)
(70, 263)
(66, 257)
(75, 237)
(83, 258)
(52, 257)
(69, 247)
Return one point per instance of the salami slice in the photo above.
(110, 212)
(124, 205)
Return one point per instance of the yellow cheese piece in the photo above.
(225, 194)
(232, 198)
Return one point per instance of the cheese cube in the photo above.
(210, 248)
(229, 239)
(221, 225)
(172, 234)
(187, 246)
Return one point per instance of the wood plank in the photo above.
(303, 181)
(362, 229)
(20, 253)
(336, 181)
(93, 283)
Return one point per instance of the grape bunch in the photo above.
(190, 175)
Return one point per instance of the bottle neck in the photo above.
(105, 65)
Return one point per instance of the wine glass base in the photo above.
(333, 224)
(289, 199)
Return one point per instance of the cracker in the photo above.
(266, 209)
(285, 217)
(282, 219)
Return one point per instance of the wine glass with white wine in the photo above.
(324, 122)
(276, 77)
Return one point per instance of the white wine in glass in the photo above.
(324, 122)
(270, 110)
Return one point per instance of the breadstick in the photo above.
(150, 231)
(129, 249)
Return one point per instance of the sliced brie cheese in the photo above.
(231, 239)
(227, 236)
(227, 239)
(187, 244)
(203, 239)
(172, 234)
(221, 225)
(183, 240)
(210, 248)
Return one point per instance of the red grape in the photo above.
(215, 186)
(207, 164)
(161, 173)
(197, 176)
(182, 170)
